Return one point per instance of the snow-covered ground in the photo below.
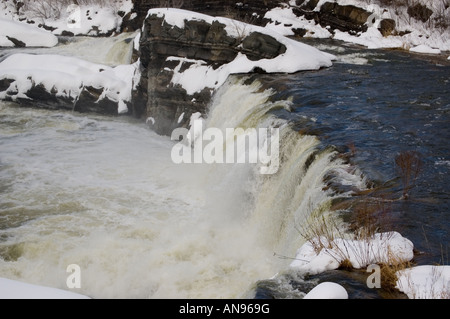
(321, 254)
(423, 37)
(425, 282)
(421, 282)
(93, 18)
(12, 289)
(67, 75)
(29, 35)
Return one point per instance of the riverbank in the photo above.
(101, 71)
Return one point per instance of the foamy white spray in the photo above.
(104, 194)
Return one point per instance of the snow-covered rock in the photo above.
(423, 48)
(187, 55)
(404, 30)
(93, 18)
(14, 33)
(425, 282)
(320, 254)
(56, 81)
(327, 290)
(12, 289)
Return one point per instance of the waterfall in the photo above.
(104, 194)
(283, 202)
(110, 51)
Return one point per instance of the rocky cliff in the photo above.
(167, 49)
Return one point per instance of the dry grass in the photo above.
(389, 272)
(409, 165)
(436, 288)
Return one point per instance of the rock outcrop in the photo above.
(167, 49)
(61, 82)
(347, 18)
(245, 10)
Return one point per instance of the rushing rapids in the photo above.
(80, 190)
(103, 193)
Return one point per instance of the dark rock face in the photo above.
(258, 45)
(38, 96)
(387, 27)
(420, 12)
(17, 43)
(165, 47)
(346, 18)
(245, 10)
(343, 18)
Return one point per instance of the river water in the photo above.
(103, 193)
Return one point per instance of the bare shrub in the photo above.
(54, 9)
(409, 165)
(46, 9)
(171, 3)
(420, 12)
(177, 3)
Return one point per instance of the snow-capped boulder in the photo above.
(62, 82)
(17, 34)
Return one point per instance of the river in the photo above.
(103, 193)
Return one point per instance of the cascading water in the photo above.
(283, 201)
(110, 51)
(104, 194)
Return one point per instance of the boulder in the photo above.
(420, 12)
(62, 82)
(387, 27)
(346, 18)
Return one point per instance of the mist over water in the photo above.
(103, 192)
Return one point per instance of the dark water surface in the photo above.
(376, 104)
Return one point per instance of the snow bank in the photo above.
(30, 35)
(319, 254)
(327, 290)
(423, 48)
(372, 39)
(66, 77)
(298, 56)
(418, 32)
(11, 289)
(425, 282)
(86, 20)
(284, 21)
(93, 19)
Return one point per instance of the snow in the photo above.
(420, 282)
(423, 48)
(30, 35)
(85, 19)
(282, 17)
(327, 290)
(372, 39)
(361, 253)
(425, 282)
(11, 289)
(419, 33)
(67, 76)
(199, 75)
